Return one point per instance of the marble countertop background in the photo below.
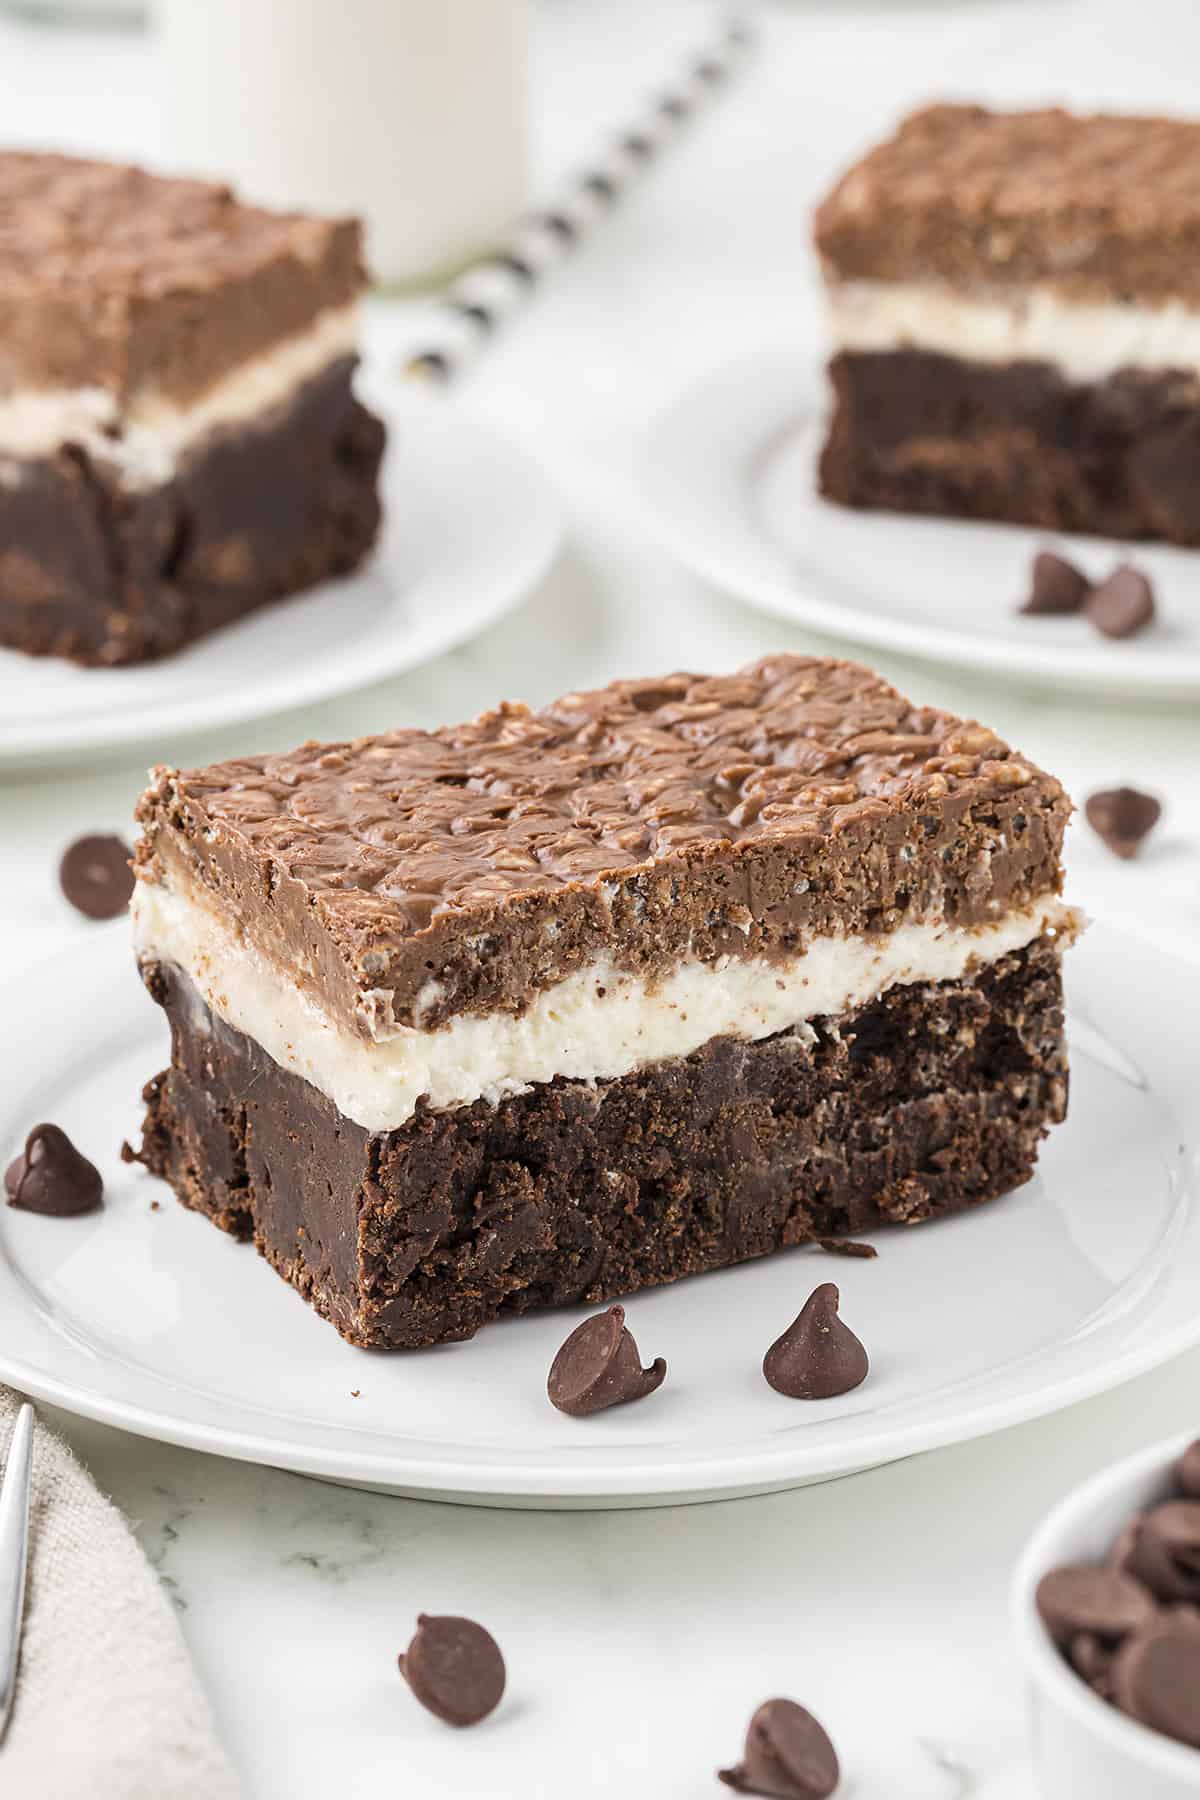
(639, 1643)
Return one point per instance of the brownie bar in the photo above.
(103, 575)
(1015, 318)
(179, 439)
(925, 1102)
(555, 1005)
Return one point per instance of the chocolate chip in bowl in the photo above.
(1105, 1613)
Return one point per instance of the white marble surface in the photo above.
(639, 1642)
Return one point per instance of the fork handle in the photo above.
(14, 1551)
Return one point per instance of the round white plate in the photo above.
(470, 526)
(145, 1316)
(731, 487)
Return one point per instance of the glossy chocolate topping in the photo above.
(418, 874)
(114, 278)
(1099, 206)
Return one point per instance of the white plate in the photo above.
(470, 526)
(154, 1321)
(731, 488)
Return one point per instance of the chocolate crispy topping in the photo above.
(111, 276)
(963, 195)
(424, 873)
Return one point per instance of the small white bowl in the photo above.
(1084, 1749)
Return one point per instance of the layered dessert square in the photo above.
(179, 438)
(556, 1005)
(1014, 304)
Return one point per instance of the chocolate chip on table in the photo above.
(96, 877)
(1156, 1678)
(454, 1668)
(1164, 1551)
(1121, 818)
(51, 1176)
(1122, 604)
(788, 1756)
(1056, 585)
(818, 1355)
(1187, 1471)
(1104, 1603)
(599, 1366)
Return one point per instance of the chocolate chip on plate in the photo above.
(1164, 1551)
(788, 1756)
(1122, 604)
(1104, 1603)
(454, 1668)
(1187, 1471)
(1056, 585)
(1156, 1678)
(95, 876)
(51, 1176)
(818, 1355)
(599, 1366)
(1122, 817)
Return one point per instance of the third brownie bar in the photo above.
(555, 1005)
(1014, 303)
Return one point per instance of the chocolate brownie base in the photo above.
(104, 574)
(913, 431)
(930, 1100)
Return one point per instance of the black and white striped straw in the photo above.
(477, 302)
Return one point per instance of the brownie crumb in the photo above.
(848, 1247)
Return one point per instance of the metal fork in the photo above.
(14, 1555)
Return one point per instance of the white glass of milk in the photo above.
(411, 113)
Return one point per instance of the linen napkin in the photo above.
(107, 1705)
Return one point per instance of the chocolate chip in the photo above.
(1092, 1657)
(454, 1667)
(1156, 1679)
(817, 1356)
(51, 1176)
(95, 876)
(599, 1366)
(1105, 1603)
(1056, 586)
(1122, 817)
(1165, 1550)
(788, 1755)
(1187, 1471)
(1122, 604)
